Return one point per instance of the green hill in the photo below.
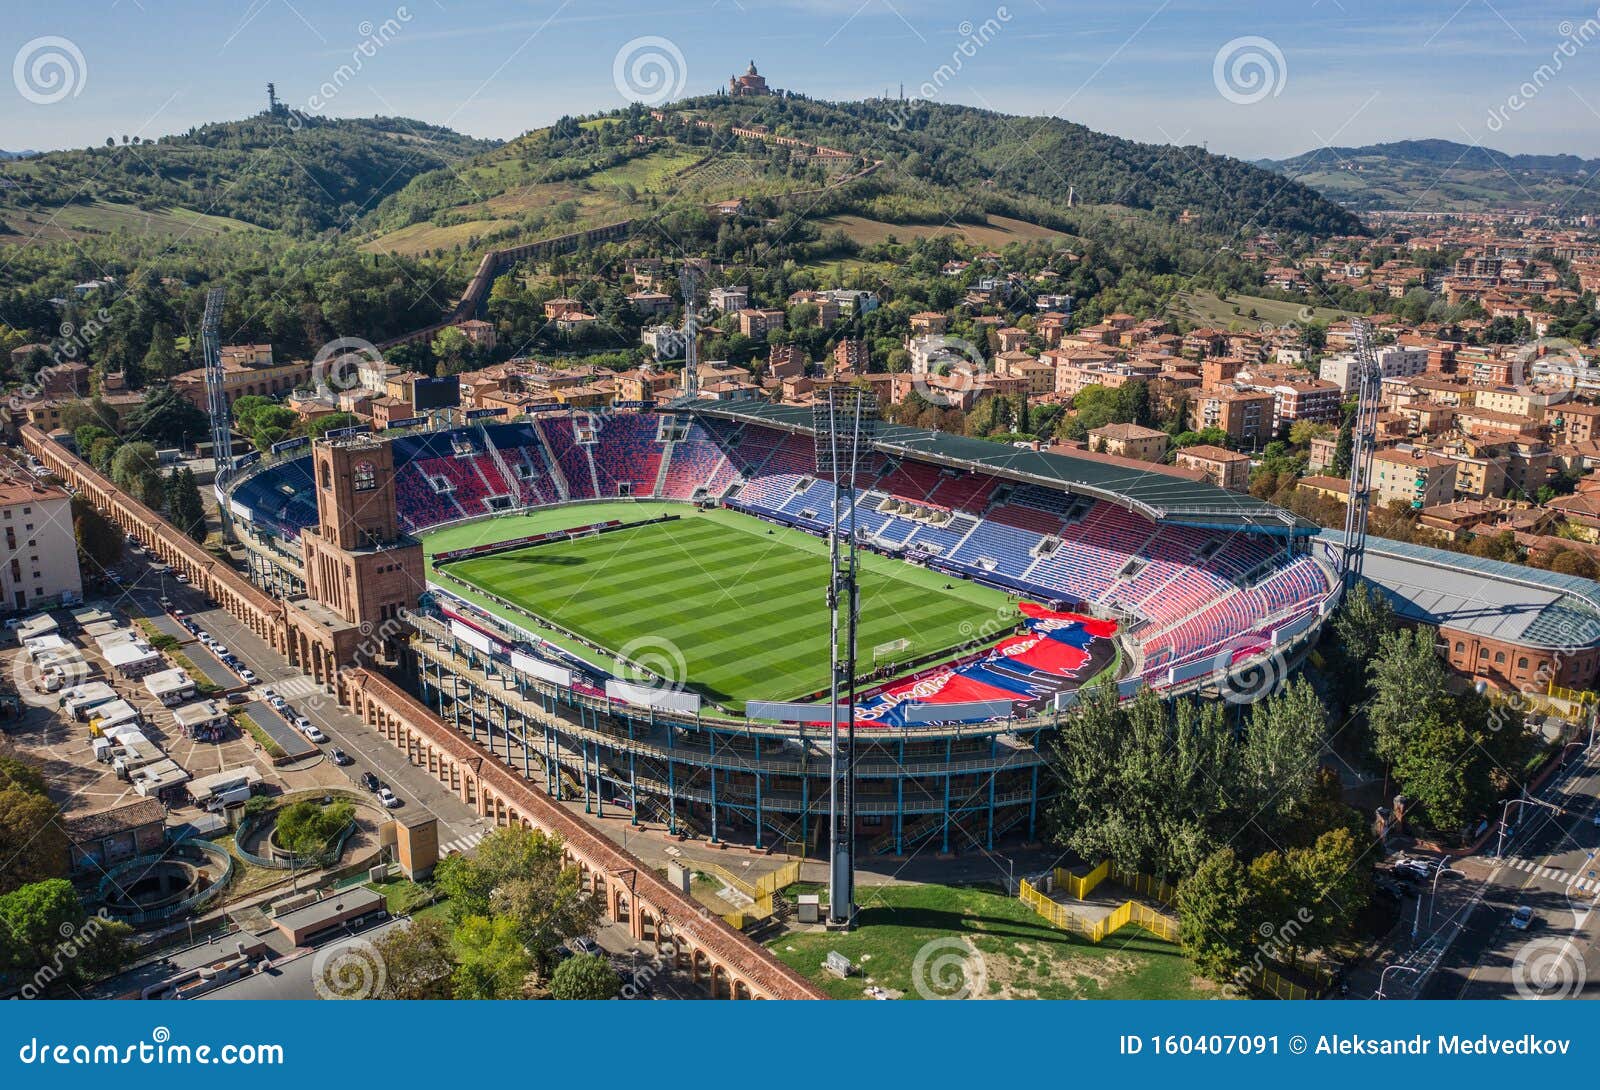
(1442, 175)
(936, 164)
(302, 177)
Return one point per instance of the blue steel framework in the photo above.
(962, 788)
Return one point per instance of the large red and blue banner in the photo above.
(1056, 652)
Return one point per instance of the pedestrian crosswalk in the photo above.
(1556, 874)
(463, 844)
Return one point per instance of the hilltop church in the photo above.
(751, 83)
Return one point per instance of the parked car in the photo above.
(583, 944)
(238, 698)
(370, 782)
(389, 799)
(309, 729)
(1522, 918)
(181, 578)
(1414, 869)
(340, 757)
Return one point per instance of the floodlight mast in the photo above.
(843, 425)
(217, 397)
(691, 335)
(1363, 444)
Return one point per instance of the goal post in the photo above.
(888, 652)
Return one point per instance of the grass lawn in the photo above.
(995, 232)
(1204, 307)
(715, 599)
(1011, 952)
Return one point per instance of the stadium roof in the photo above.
(1154, 494)
(1487, 598)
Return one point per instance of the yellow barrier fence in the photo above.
(1159, 924)
(1162, 926)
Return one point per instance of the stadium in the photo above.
(607, 592)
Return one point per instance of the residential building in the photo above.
(41, 558)
(1224, 468)
(1413, 477)
(1129, 441)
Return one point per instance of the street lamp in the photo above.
(1433, 893)
(1385, 975)
(1500, 844)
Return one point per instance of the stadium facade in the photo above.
(1198, 588)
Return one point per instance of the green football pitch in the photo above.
(736, 606)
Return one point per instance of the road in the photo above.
(457, 822)
(1550, 865)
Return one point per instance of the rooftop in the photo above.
(1488, 598)
(1156, 494)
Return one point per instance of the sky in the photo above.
(1254, 80)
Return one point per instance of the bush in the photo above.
(586, 976)
(307, 828)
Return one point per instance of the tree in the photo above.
(308, 828)
(31, 841)
(1344, 446)
(100, 541)
(322, 425)
(1364, 618)
(184, 506)
(136, 469)
(585, 976)
(520, 875)
(492, 963)
(48, 937)
(417, 959)
(161, 359)
(1446, 751)
(451, 348)
(168, 418)
(1214, 925)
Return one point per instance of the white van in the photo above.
(223, 799)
